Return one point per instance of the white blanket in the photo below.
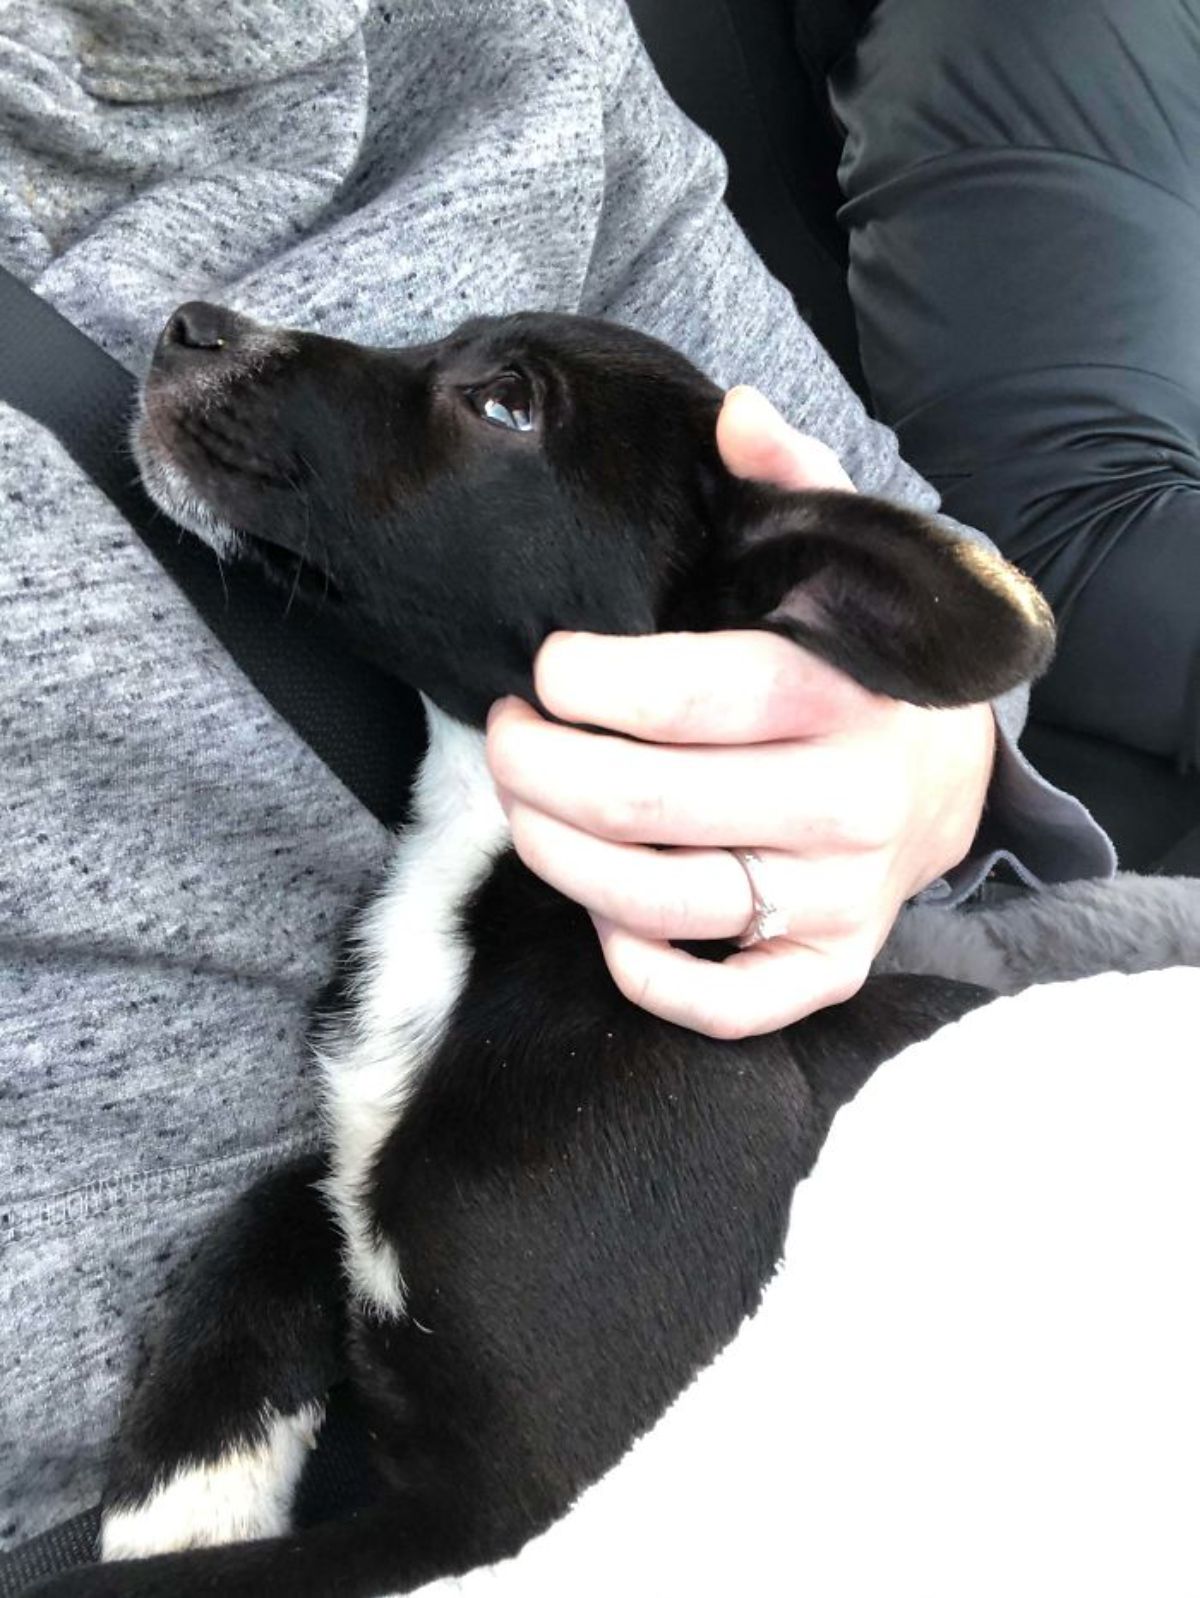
(978, 1371)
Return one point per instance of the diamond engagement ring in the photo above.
(768, 920)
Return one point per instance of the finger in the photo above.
(720, 798)
(700, 893)
(681, 893)
(821, 899)
(755, 441)
(759, 990)
(701, 688)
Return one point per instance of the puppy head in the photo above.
(453, 503)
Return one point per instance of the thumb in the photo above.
(755, 441)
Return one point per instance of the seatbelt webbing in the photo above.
(61, 1548)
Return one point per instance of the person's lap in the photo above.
(1024, 206)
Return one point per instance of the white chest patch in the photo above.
(414, 962)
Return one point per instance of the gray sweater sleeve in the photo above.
(669, 258)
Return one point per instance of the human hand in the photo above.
(851, 802)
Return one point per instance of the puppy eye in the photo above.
(505, 402)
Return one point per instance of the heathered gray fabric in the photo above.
(175, 860)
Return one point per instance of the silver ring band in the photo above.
(768, 920)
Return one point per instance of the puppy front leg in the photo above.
(218, 1429)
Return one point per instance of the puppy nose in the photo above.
(200, 326)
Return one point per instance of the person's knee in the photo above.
(1128, 663)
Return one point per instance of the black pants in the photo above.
(1023, 196)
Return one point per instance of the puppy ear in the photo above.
(888, 597)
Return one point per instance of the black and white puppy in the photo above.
(541, 1210)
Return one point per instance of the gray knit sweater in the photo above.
(175, 860)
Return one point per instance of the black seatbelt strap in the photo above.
(364, 726)
(61, 1548)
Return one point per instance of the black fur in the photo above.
(258, 1318)
(586, 1201)
(451, 547)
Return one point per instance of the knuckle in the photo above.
(663, 919)
(670, 722)
(872, 820)
(612, 815)
(627, 817)
(659, 709)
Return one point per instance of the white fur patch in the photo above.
(205, 386)
(171, 490)
(415, 963)
(246, 1494)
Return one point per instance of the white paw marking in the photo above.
(415, 963)
(246, 1494)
